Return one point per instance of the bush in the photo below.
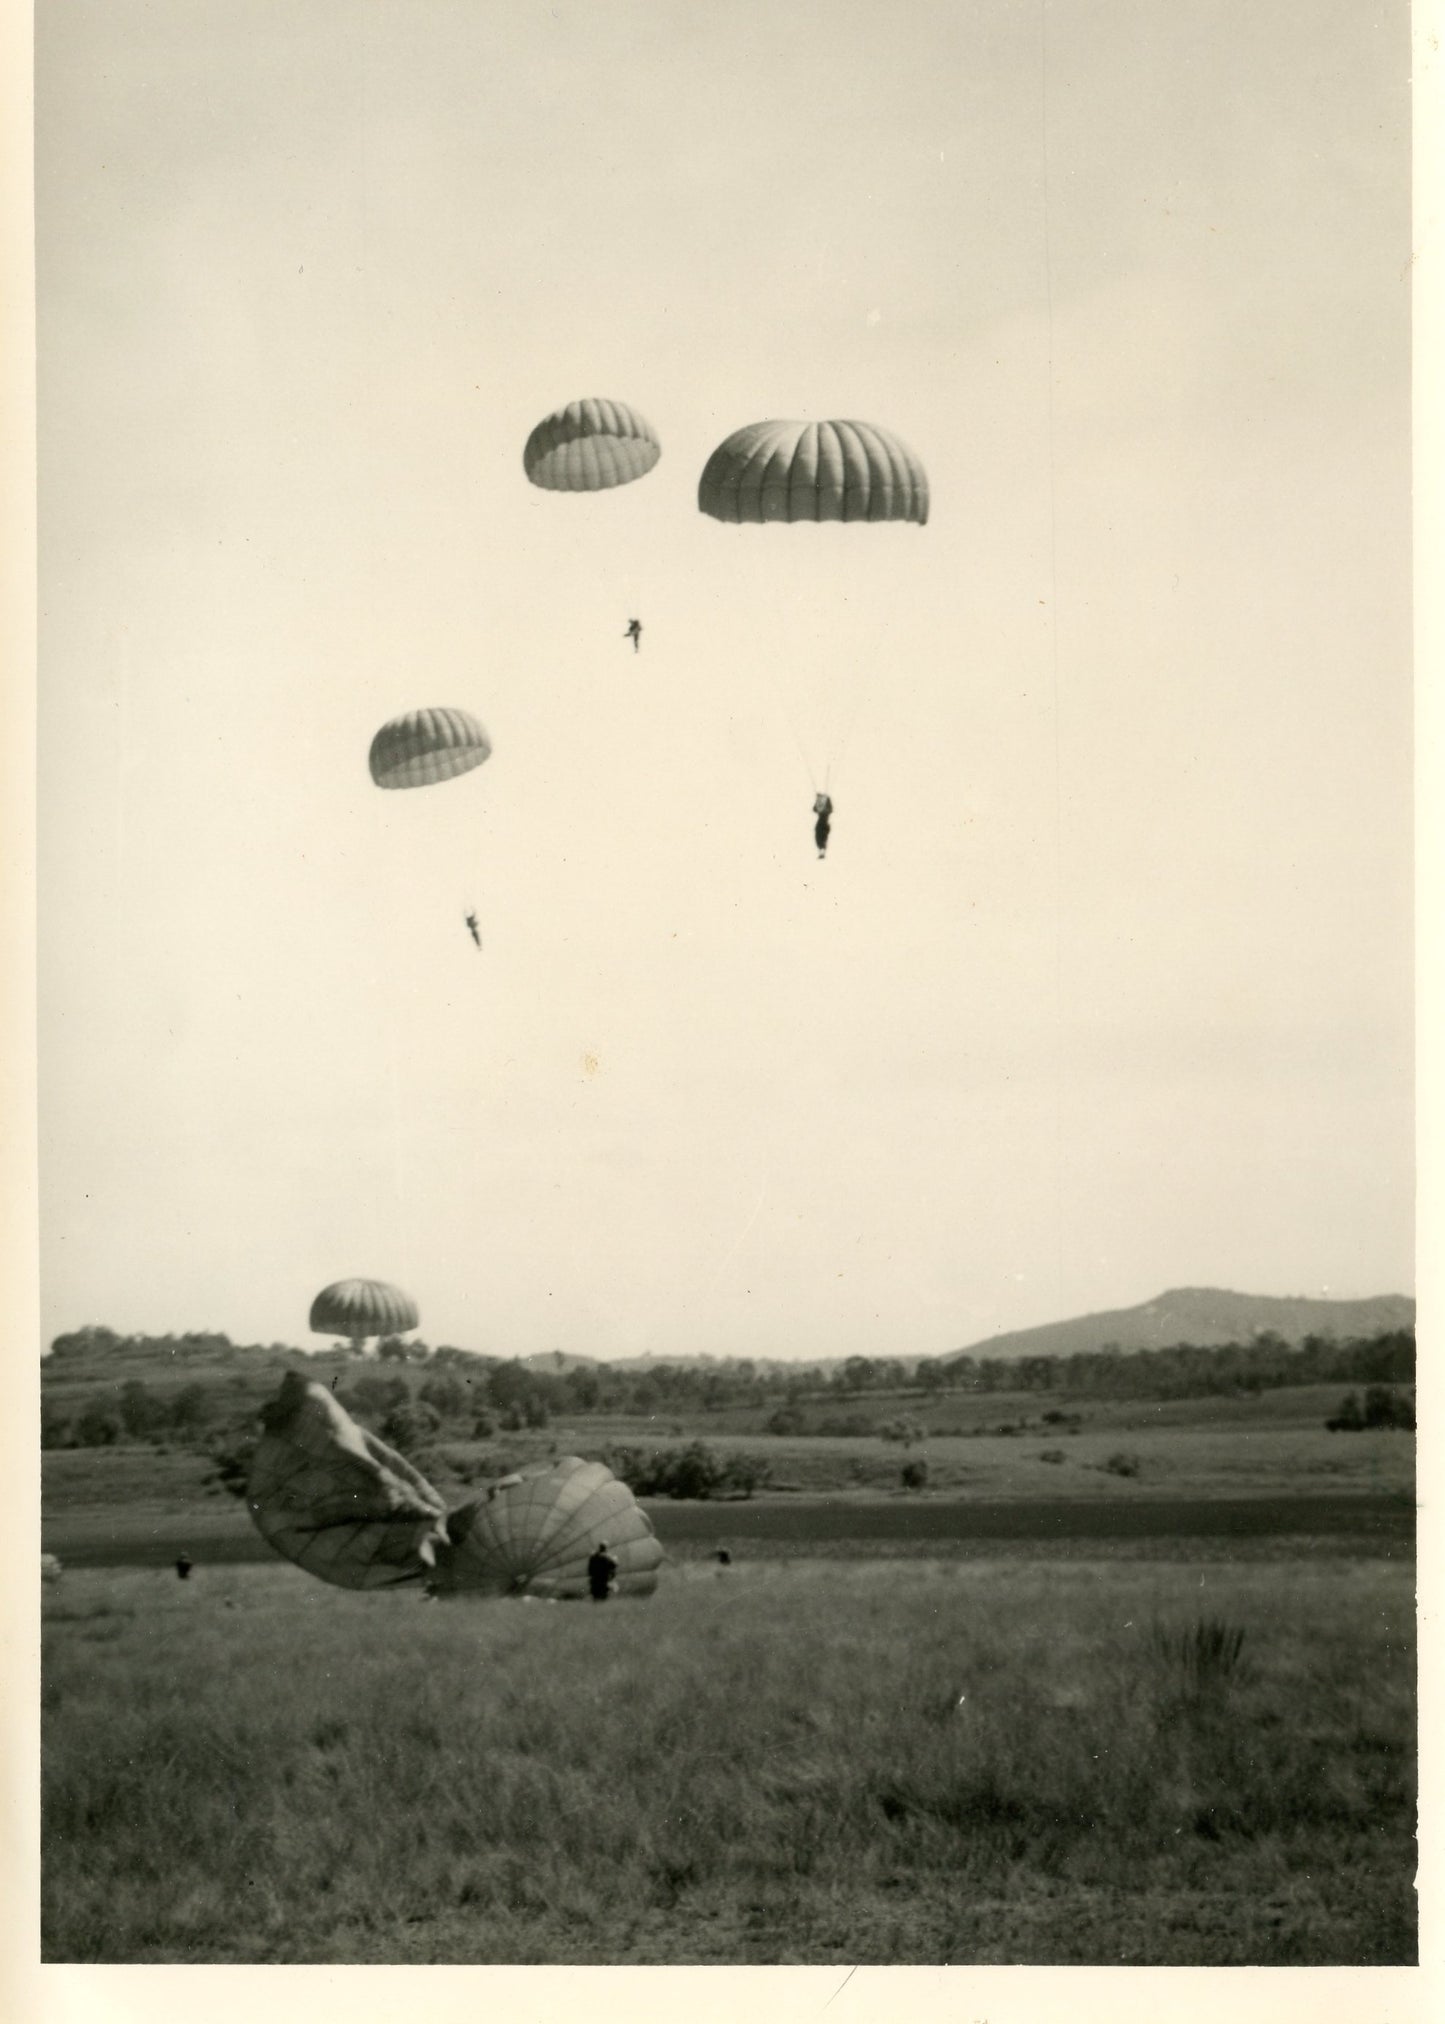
(1053, 1455)
(231, 1467)
(409, 1426)
(694, 1472)
(914, 1475)
(1121, 1464)
(97, 1424)
(1347, 1419)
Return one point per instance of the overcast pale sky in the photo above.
(1105, 983)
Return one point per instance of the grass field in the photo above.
(903, 1761)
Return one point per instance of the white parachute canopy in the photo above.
(534, 1533)
(350, 1510)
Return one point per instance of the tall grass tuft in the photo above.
(1206, 1655)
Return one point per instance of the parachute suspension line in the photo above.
(779, 692)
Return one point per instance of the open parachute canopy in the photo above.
(361, 1307)
(350, 1510)
(813, 471)
(534, 1534)
(589, 446)
(423, 747)
(337, 1501)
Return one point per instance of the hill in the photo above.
(1204, 1315)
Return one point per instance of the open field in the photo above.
(770, 1527)
(801, 1760)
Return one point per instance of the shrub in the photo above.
(408, 1426)
(1053, 1455)
(914, 1475)
(231, 1467)
(1122, 1464)
(1385, 1407)
(694, 1472)
(97, 1424)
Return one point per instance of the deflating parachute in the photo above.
(357, 1308)
(534, 1534)
(813, 471)
(340, 1503)
(350, 1510)
(426, 746)
(590, 446)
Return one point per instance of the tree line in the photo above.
(470, 1393)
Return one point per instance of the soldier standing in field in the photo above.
(601, 1573)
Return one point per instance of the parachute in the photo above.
(533, 1534)
(50, 1568)
(821, 606)
(329, 1496)
(424, 747)
(357, 1308)
(590, 446)
(813, 471)
(335, 1500)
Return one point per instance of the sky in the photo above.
(1105, 984)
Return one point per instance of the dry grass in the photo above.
(896, 1762)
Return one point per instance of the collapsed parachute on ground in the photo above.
(341, 1504)
(337, 1501)
(590, 446)
(423, 747)
(534, 1533)
(813, 471)
(357, 1308)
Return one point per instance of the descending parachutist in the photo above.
(474, 929)
(634, 633)
(823, 809)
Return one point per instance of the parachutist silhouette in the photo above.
(634, 633)
(183, 1564)
(601, 1573)
(474, 930)
(823, 809)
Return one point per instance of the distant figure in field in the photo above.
(634, 633)
(601, 1573)
(823, 810)
(474, 929)
(183, 1564)
(723, 1557)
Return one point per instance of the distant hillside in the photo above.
(1203, 1315)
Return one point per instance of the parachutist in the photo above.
(601, 1573)
(823, 809)
(634, 633)
(474, 929)
(183, 1565)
